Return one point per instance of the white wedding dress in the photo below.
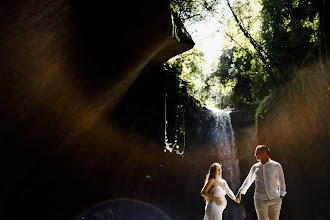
(212, 210)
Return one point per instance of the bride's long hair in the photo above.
(211, 175)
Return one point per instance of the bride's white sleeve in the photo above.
(248, 181)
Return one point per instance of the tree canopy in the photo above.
(265, 42)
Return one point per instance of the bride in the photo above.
(214, 191)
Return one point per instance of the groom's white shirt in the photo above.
(269, 180)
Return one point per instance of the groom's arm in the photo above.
(281, 181)
(247, 182)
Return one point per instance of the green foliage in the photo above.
(262, 110)
(265, 42)
(195, 10)
(178, 30)
(290, 29)
(205, 88)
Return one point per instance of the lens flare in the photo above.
(124, 209)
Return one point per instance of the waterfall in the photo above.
(223, 139)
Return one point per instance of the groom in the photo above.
(269, 185)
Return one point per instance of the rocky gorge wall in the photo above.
(82, 117)
(65, 66)
(295, 123)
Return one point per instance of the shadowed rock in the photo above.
(65, 66)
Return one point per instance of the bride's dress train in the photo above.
(212, 210)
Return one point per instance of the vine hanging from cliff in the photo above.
(179, 131)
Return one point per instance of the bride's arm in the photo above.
(206, 189)
(229, 192)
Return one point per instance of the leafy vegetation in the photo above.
(265, 43)
(195, 10)
(189, 68)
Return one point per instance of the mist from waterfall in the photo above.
(223, 139)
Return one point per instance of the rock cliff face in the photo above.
(65, 66)
(67, 70)
(295, 123)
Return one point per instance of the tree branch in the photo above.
(246, 50)
(257, 47)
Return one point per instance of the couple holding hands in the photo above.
(269, 188)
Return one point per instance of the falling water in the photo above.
(223, 139)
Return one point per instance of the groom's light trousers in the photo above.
(268, 208)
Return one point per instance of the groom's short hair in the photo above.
(263, 148)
